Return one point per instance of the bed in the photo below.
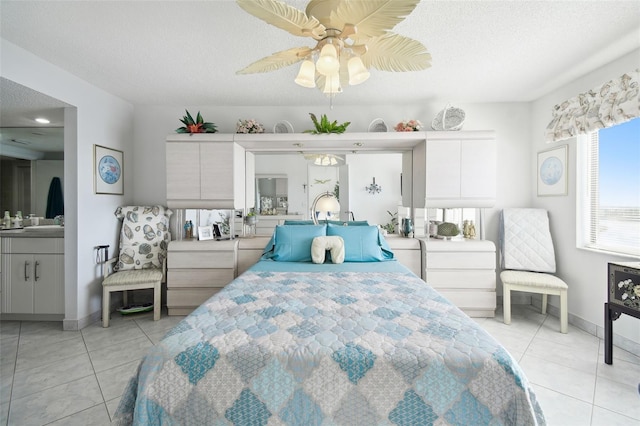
(292, 342)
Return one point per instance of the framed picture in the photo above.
(552, 171)
(205, 232)
(107, 170)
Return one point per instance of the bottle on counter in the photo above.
(6, 221)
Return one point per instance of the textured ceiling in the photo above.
(187, 53)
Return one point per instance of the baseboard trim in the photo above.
(79, 324)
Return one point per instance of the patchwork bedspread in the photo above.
(334, 348)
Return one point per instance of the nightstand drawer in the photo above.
(199, 277)
(463, 260)
(463, 279)
(189, 298)
(200, 259)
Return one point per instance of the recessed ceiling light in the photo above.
(42, 120)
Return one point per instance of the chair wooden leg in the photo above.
(543, 310)
(564, 312)
(506, 303)
(157, 303)
(105, 307)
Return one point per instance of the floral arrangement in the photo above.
(249, 126)
(408, 126)
(630, 293)
(196, 126)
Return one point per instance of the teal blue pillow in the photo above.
(293, 242)
(362, 243)
(349, 223)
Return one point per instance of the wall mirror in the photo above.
(272, 194)
(347, 178)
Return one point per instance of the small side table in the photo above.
(623, 297)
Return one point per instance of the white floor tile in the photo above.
(119, 354)
(37, 379)
(112, 406)
(113, 381)
(618, 397)
(94, 416)
(621, 371)
(583, 359)
(603, 417)
(34, 355)
(562, 410)
(55, 403)
(565, 380)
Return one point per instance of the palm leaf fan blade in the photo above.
(277, 60)
(396, 53)
(372, 17)
(283, 16)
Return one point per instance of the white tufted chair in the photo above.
(528, 260)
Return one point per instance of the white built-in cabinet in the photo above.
(33, 275)
(455, 169)
(205, 171)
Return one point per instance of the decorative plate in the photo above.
(378, 125)
(109, 169)
(283, 127)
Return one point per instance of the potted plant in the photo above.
(196, 126)
(326, 126)
(250, 218)
(391, 226)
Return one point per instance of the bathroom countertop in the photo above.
(34, 232)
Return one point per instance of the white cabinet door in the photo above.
(48, 284)
(443, 169)
(478, 170)
(17, 280)
(183, 172)
(460, 170)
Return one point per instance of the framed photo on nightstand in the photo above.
(205, 233)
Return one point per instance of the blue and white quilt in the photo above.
(328, 348)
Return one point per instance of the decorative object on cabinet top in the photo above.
(326, 126)
(408, 126)
(249, 126)
(449, 118)
(378, 125)
(283, 127)
(196, 126)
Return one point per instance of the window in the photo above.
(610, 189)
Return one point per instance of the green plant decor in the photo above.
(196, 126)
(391, 226)
(326, 126)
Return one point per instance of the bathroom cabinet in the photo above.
(33, 275)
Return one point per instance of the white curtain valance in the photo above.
(612, 103)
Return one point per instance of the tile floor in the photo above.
(54, 377)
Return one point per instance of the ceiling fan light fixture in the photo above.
(328, 61)
(306, 75)
(358, 73)
(332, 85)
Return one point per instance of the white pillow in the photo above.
(320, 245)
(144, 237)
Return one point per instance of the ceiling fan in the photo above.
(351, 37)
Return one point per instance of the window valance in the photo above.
(612, 103)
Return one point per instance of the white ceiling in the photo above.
(187, 52)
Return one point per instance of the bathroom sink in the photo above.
(43, 228)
